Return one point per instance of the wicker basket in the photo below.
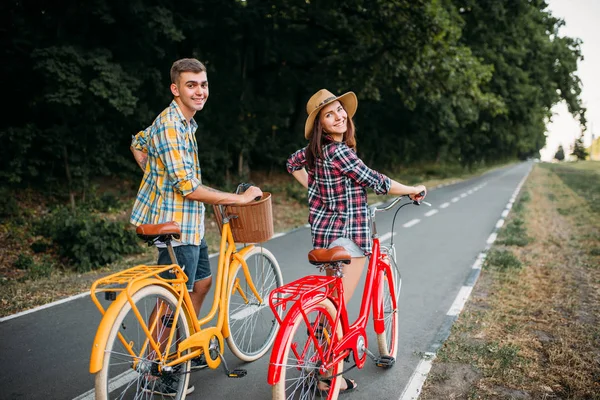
(254, 222)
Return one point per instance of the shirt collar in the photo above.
(175, 108)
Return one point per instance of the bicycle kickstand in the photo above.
(235, 373)
(384, 362)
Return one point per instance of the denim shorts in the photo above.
(192, 259)
(351, 247)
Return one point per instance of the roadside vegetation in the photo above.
(51, 251)
(532, 325)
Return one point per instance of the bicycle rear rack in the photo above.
(113, 284)
(308, 290)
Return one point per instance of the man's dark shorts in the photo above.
(192, 259)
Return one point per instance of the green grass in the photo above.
(583, 178)
(502, 260)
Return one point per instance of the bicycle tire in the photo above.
(387, 341)
(118, 378)
(299, 375)
(252, 325)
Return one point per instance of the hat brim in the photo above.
(348, 100)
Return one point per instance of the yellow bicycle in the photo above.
(149, 331)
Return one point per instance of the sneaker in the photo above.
(165, 386)
(198, 363)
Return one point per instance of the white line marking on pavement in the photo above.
(492, 238)
(459, 302)
(411, 223)
(385, 237)
(500, 223)
(479, 262)
(413, 389)
(115, 383)
(463, 195)
(54, 303)
(454, 200)
(430, 213)
(444, 205)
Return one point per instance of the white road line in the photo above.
(413, 389)
(479, 262)
(385, 237)
(444, 205)
(115, 383)
(505, 213)
(54, 303)
(247, 311)
(430, 213)
(500, 223)
(492, 238)
(454, 200)
(411, 223)
(459, 302)
(462, 195)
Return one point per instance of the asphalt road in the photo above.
(45, 354)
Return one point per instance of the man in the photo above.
(172, 189)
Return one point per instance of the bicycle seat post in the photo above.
(167, 241)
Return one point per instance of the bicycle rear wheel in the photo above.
(136, 376)
(252, 325)
(300, 373)
(389, 283)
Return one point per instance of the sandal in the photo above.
(350, 386)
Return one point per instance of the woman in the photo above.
(336, 179)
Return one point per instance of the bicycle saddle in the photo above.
(329, 256)
(154, 231)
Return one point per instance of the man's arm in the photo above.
(140, 157)
(209, 195)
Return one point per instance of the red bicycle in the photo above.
(315, 336)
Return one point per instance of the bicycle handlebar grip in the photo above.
(416, 202)
(242, 187)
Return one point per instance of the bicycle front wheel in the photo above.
(252, 325)
(300, 375)
(387, 341)
(130, 369)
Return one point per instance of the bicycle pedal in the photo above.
(237, 373)
(385, 362)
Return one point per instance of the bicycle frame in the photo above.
(304, 292)
(129, 281)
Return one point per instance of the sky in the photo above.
(582, 20)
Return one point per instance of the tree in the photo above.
(579, 150)
(560, 153)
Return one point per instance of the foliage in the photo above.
(87, 241)
(438, 81)
(502, 260)
(560, 153)
(579, 150)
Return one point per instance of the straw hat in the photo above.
(320, 100)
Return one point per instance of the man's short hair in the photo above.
(185, 65)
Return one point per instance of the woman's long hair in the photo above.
(316, 142)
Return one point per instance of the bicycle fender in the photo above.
(101, 338)
(283, 337)
(232, 270)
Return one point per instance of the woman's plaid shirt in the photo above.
(337, 195)
(172, 172)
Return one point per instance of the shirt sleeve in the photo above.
(171, 146)
(296, 161)
(140, 140)
(352, 166)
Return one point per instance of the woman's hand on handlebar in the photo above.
(419, 193)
